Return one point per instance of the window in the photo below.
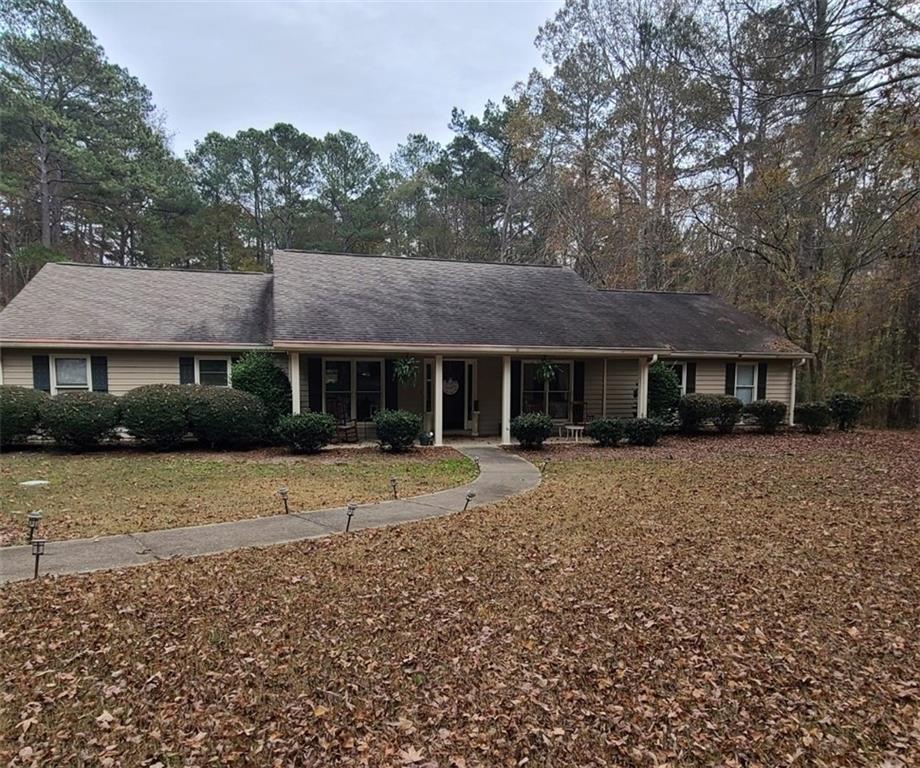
(212, 371)
(352, 389)
(745, 382)
(680, 370)
(368, 377)
(553, 397)
(71, 374)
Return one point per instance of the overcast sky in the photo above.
(380, 70)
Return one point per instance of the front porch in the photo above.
(469, 396)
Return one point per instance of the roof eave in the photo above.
(111, 344)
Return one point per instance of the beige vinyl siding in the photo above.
(594, 388)
(622, 382)
(710, 377)
(17, 367)
(779, 380)
(490, 395)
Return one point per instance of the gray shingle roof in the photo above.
(386, 300)
(692, 322)
(83, 302)
(365, 300)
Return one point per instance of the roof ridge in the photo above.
(440, 260)
(650, 290)
(160, 269)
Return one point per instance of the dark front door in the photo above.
(454, 394)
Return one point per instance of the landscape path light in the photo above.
(351, 511)
(283, 493)
(470, 495)
(393, 486)
(476, 462)
(35, 520)
(38, 549)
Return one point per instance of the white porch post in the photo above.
(790, 417)
(506, 400)
(437, 405)
(642, 405)
(294, 374)
(604, 395)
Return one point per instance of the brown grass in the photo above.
(756, 604)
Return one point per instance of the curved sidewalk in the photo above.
(502, 474)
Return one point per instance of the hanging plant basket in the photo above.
(546, 371)
(405, 371)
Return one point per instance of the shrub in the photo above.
(642, 431)
(257, 374)
(695, 409)
(663, 389)
(814, 417)
(306, 432)
(397, 429)
(607, 432)
(19, 412)
(845, 408)
(768, 414)
(80, 419)
(730, 410)
(225, 418)
(157, 414)
(531, 429)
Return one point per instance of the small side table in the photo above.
(574, 431)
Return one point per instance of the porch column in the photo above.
(790, 416)
(506, 400)
(294, 375)
(438, 400)
(604, 396)
(642, 405)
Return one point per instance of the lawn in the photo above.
(125, 490)
(734, 601)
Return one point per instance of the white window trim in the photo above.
(354, 382)
(89, 374)
(571, 364)
(227, 358)
(752, 387)
(683, 374)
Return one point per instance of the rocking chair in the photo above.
(346, 428)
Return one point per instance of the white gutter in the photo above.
(191, 346)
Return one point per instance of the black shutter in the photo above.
(729, 378)
(186, 370)
(315, 383)
(41, 372)
(391, 386)
(515, 388)
(691, 378)
(578, 395)
(762, 381)
(100, 370)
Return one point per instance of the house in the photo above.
(337, 323)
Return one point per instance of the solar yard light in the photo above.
(470, 495)
(351, 511)
(393, 486)
(283, 493)
(38, 549)
(476, 462)
(35, 520)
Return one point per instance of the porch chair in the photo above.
(346, 428)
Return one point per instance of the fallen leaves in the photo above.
(751, 604)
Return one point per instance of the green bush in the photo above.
(663, 389)
(306, 432)
(19, 412)
(696, 409)
(225, 418)
(730, 411)
(768, 414)
(846, 409)
(397, 429)
(256, 373)
(531, 429)
(642, 431)
(157, 414)
(607, 432)
(813, 417)
(80, 419)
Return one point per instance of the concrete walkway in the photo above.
(502, 474)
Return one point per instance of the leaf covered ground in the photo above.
(744, 601)
(124, 491)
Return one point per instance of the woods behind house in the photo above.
(768, 152)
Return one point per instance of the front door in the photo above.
(454, 395)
